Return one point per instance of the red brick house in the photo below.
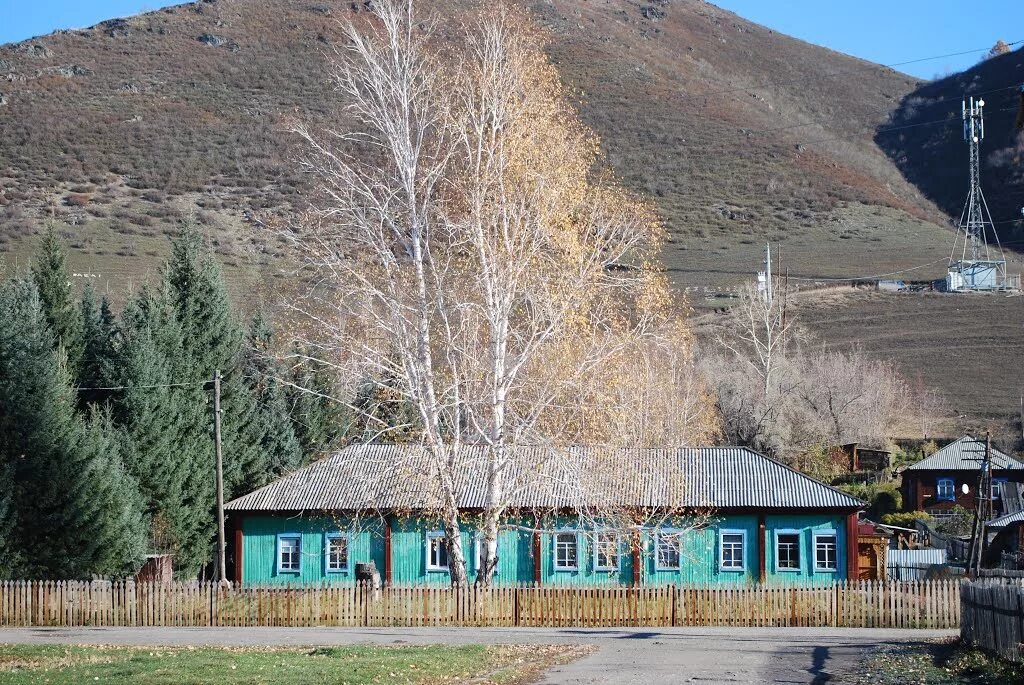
(937, 484)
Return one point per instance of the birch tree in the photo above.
(465, 250)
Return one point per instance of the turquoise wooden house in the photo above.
(715, 515)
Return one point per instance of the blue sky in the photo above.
(884, 31)
(890, 31)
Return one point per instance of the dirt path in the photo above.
(624, 656)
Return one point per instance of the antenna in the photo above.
(973, 264)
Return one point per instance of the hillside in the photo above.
(934, 156)
(740, 134)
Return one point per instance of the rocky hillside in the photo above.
(740, 134)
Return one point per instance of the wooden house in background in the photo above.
(937, 484)
(757, 521)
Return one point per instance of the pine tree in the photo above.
(77, 515)
(50, 273)
(98, 325)
(164, 413)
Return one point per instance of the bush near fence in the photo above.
(868, 604)
(993, 616)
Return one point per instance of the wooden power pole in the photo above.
(221, 560)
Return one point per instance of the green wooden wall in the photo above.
(699, 564)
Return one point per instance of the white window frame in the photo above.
(617, 542)
(327, 552)
(478, 541)
(554, 549)
(823, 533)
(298, 551)
(952, 489)
(431, 567)
(668, 533)
(799, 550)
(997, 487)
(742, 568)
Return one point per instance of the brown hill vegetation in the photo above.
(740, 134)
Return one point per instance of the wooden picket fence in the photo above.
(920, 604)
(993, 616)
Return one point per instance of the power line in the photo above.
(142, 387)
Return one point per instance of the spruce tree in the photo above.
(164, 413)
(319, 420)
(98, 325)
(52, 279)
(77, 515)
(280, 451)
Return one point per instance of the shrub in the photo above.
(906, 519)
(77, 199)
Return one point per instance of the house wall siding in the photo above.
(700, 551)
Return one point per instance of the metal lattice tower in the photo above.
(975, 220)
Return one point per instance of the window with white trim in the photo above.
(566, 551)
(787, 550)
(826, 551)
(945, 489)
(666, 550)
(997, 487)
(606, 551)
(437, 552)
(732, 543)
(336, 552)
(289, 553)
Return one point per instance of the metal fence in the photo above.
(932, 604)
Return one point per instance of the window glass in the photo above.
(437, 552)
(668, 550)
(946, 489)
(997, 487)
(606, 551)
(337, 553)
(732, 551)
(565, 551)
(787, 551)
(289, 553)
(825, 552)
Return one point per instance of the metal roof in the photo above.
(966, 453)
(388, 477)
(1004, 521)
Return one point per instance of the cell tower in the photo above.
(973, 263)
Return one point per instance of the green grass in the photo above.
(67, 665)
(937, 663)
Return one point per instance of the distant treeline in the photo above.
(106, 445)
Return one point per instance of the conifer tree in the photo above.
(319, 420)
(280, 449)
(51, 277)
(165, 416)
(78, 513)
(98, 325)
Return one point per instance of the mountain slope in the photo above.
(739, 134)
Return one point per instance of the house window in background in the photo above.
(565, 552)
(666, 555)
(606, 551)
(825, 551)
(437, 552)
(731, 543)
(336, 551)
(997, 487)
(480, 551)
(289, 553)
(945, 490)
(787, 550)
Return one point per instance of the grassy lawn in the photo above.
(946, 662)
(67, 665)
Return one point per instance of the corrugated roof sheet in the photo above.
(966, 453)
(405, 477)
(1004, 521)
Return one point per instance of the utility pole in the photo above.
(982, 511)
(221, 560)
